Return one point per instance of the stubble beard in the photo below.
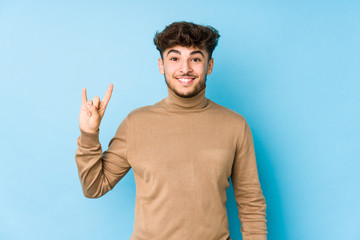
(198, 88)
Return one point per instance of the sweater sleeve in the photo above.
(99, 172)
(248, 194)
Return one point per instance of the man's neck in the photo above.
(174, 101)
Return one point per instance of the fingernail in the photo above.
(88, 105)
(89, 114)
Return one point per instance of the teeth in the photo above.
(185, 79)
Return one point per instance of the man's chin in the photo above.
(188, 94)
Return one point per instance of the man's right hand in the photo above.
(91, 112)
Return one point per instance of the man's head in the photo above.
(186, 50)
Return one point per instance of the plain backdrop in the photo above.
(291, 68)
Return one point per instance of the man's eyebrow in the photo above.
(195, 52)
(174, 51)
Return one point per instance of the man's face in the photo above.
(185, 69)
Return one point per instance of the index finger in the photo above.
(83, 96)
(107, 95)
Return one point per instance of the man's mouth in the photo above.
(185, 80)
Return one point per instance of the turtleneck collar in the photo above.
(173, 101)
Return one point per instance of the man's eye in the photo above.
(174, 59)
(196, 59)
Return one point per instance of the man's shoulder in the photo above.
(145, 110)
(225, 112)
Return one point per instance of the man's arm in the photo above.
(248, 194)
(99, 172)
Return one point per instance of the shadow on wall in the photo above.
(232, 91)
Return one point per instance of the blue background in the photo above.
(292, 68)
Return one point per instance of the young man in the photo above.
(183, 150)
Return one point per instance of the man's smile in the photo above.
(185, 80)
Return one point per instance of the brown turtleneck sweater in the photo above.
(183, 152)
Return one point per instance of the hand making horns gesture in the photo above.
(91, 112)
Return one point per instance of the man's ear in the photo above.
(161, 66)
(210, 66)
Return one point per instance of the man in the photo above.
(183, 150)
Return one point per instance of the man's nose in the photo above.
(185, 67)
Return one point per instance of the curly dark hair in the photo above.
(187, 34)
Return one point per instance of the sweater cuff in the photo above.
(254, 230)
(89, 139)
(255, 237)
